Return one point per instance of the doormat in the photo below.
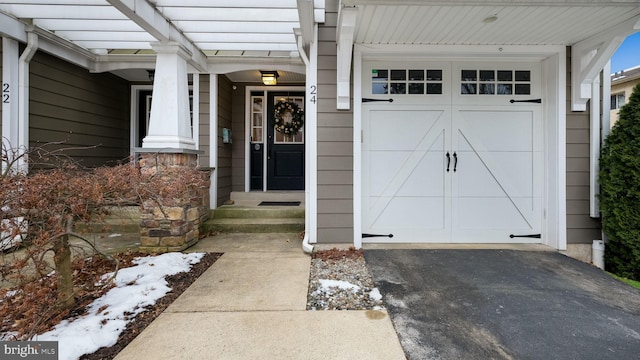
(279, 203)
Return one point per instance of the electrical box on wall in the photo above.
(226, 136)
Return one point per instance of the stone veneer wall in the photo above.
(173, 224)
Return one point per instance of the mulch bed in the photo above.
(178, 283)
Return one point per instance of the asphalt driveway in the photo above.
(505, 304)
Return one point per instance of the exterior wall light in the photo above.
(269, 77)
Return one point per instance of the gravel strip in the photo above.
(340, 280)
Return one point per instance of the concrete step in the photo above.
(258, 196)
(121, 220)
(257, 212)
(253, 225)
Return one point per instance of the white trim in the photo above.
(606, 103)
(10, 85)
(311, 142)
(133, 118)
(554, 231)
(357, 148)
(195, 103)
(247, 132)
(213, 140)
(594, 147)
(553, 60)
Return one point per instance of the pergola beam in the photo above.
(306, 16)
(152, 21)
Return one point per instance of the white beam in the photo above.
(347, 18)
(151, 20)
(589, 56)
(307, 21)
(12, 28)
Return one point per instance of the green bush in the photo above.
(620, 191)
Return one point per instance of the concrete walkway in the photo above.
(251, 304)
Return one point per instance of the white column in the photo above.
(169, 125)
(10, 132)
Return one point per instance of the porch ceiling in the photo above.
(468, 22)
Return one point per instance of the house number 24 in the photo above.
(5, 93)
(313, 90)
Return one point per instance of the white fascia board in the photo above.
(460, 52)
(151, 20)
(590, 55)
(239, 64)
(119, 62)
(212, 46)
(347, 18)
(12, 28)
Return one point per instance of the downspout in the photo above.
(306, 246)
(23, 96)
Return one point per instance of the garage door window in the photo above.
(406, 81)
(495, 82)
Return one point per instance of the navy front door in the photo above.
(285, 152)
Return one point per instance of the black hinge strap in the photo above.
(537, 101)
(376, 235)
(536, 236)
(364, 100)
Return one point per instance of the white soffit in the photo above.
(458, 22)
(216, 28)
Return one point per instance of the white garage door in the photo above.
(456, 157)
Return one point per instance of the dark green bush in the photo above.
(620, 191)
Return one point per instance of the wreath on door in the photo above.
(297, 118)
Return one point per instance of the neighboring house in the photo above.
(622, 84)
(434, 121)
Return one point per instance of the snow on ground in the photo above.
(136, 287)
(375, 294)
(327, 284)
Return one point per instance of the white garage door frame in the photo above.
(553, 67)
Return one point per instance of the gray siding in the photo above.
(239, 141)
(581, 228)
(203, 136)
(335, 143)
(70, 105)
(223, 169)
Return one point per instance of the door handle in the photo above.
(448, 160)
(455, 161)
